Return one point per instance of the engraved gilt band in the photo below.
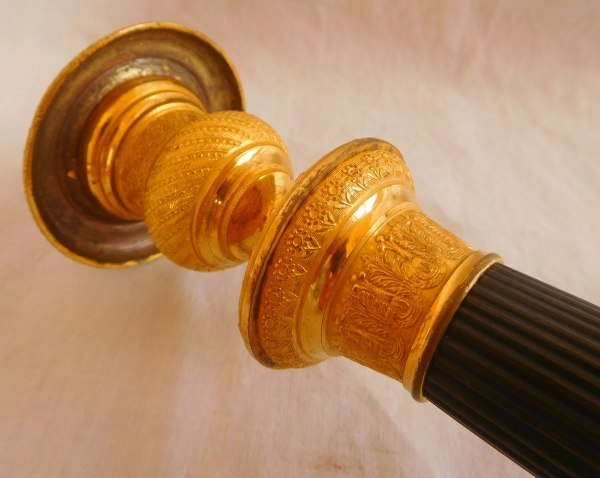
(349, 265)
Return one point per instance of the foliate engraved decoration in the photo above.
(308, 234)
(318, 217)
(284, 269)
(300, 243)
(341, 191)
(391, 291)
(177, 181)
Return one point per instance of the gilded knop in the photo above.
(141, 147)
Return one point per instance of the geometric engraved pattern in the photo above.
(307, 237)
(391, 289)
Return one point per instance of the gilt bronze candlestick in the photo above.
(140, 146)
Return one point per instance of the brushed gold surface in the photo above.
(349, 265)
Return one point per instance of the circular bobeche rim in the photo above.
(67, 216)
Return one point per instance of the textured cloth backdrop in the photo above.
(142, 372)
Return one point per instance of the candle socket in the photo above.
(139, 148)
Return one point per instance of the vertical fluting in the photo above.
(519, 365)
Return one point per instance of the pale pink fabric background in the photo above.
(142, 372)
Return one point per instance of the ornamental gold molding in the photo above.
(213, 187)
(387, 290)
(349, 265)
(141, 147)
(311, 240)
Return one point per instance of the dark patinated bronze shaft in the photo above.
(519, 365)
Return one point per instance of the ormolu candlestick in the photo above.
(137, 147)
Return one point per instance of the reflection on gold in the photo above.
(125, 135)
(343, 262)
(204, 183)
(102, 124)
(349, 265)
